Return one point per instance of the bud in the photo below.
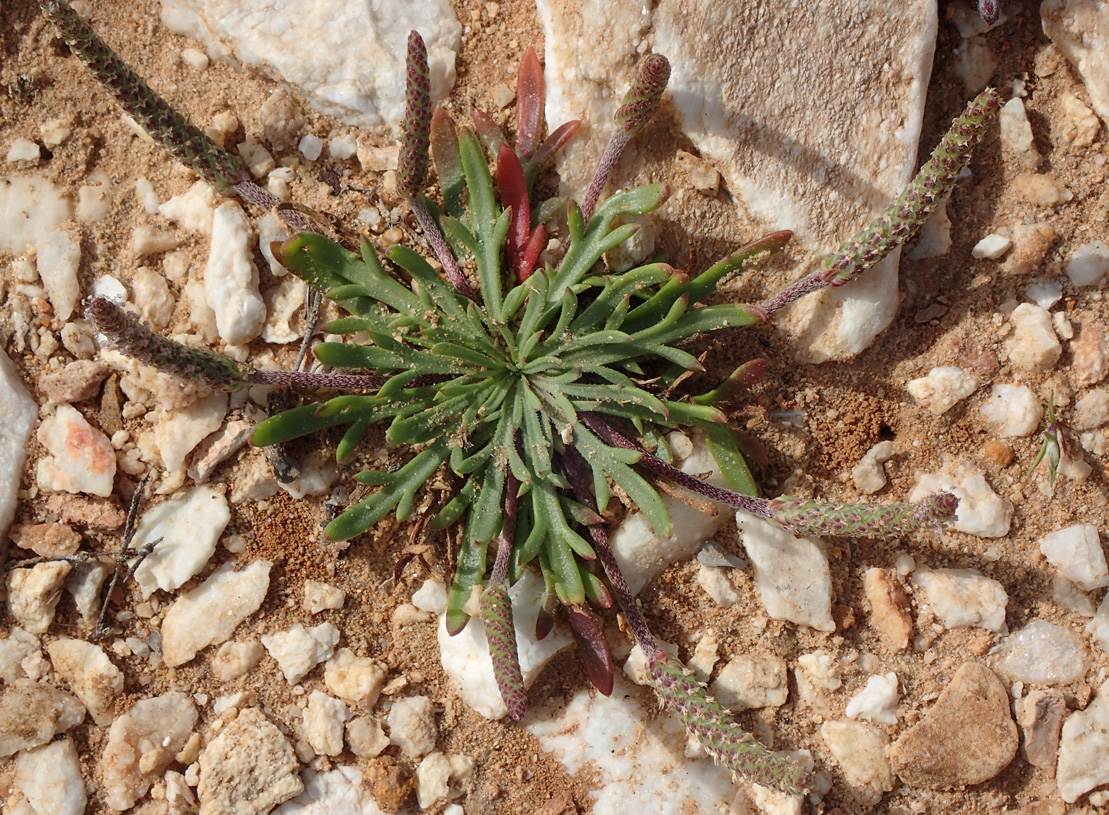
(644, 95)
(417, 119)
(496, 612)
(800, 516)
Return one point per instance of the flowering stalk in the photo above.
(131, 336)
(415, 148)
(900, 221)
(723, 739)
(639, 103)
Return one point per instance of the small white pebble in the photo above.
(877, 701)
(342, 147)
(310, 146)
(1044, 294)
(1088, 263)
(991, 247)
(23, 150)
(194, 58)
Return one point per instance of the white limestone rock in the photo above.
(192, 209)
(284, 302)
(1075, 551)
(338, 792)
(981, 512)
(431, 596)
(31, 208)
(993, 245)
(248, 768)
(1032, 348)
(877, 701)
(1083, 745)
(347, 59)
(357, 680)
(32, 713)
(642, 554)
(1079, 124)
(59, 256)
(1098, 627)
(230, 279)
(714, 580)
(1012, 410)
(322, 725)
(177, 432)
(22, 150)
(298, 649)
(321, 597)
(752, 681)
(1016, 133)
(33, 594)
(791, 573)
(412, 725)
(1044, 293)
(20, 414)
(441, 777)
(964, 597)
(209, 614)
(81, 457)
(90, 675)
(1092, 409)
(1042, 653)
(17, 646)
(1080, 29)
(791, 161)
(869, 476)
(365, 737)
(233, 659)
(942, 389)
(861, 750)
(189, 526)
(141, 745)
(465, 656)
(1087, 264)
(50, 779)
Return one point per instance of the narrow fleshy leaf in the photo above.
(488, 131)
(514, 194)
(448, 163)
(549, 148)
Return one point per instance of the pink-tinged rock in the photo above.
(966, 738)
(1040, 715)
(76, 382)
(81, 457)
(46, 540)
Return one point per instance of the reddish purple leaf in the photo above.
(529, 104)
(514, 195)
(488, 131)
(551, 145)
(592, 646)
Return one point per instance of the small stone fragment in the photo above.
(189, 527)
(32, 713)
(1092, 410)
(1076, 552)
(412, 725)
(1098, 627)
(431, 596)
(84, 584)
(749, 681)
(90, 675)
(967, 737)
(358, 680)
(310, 146)
(46, 540)
(1032, 348)
(218, 447)
(33, 594)
(868, 475)
(248, 769)
(178, 431)
(716, 584)
(59, 257)
(81, 457)
(889, 608)
(1031, 243)
(365, 737)
(233, 659)
(323, 724)
(258, 159)
(142, 743)
(1079, 126)
(1083, 746)
(147, 241)
(964, 597)
(298, 649)
(441, 777)
(877, 701)
(50, 779)
(20, 413)
(193, 209)
(284, 303)
(14, 649)
(942, 389)
(992, 246)
(320, 596)
(23, 150)
(1090, 355)
(817, 673)
(1012, 410)
(230, 279)
(861, 751)
(1016, 133)
(1041, 653)
(390, 783)
(792, 573)
(1040, 716)
(1088, 263)
(209, 614)
(77, 381)
(1041, 190)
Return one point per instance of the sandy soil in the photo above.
(849, 407)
